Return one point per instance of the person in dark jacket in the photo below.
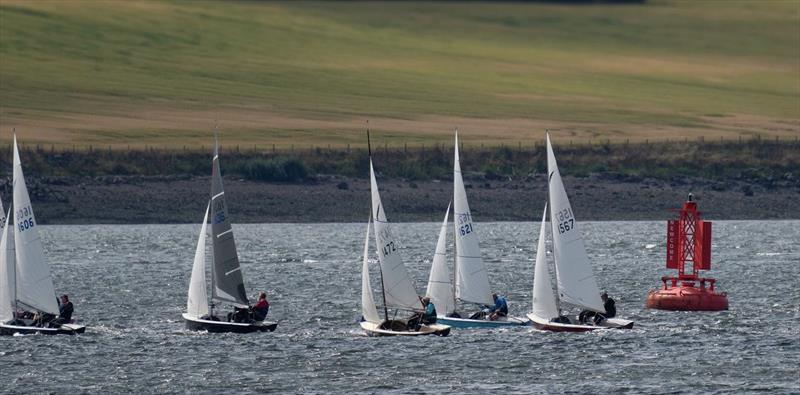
(608, 305)
(65, 310)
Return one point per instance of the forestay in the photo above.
(227, 284)
(368, 309)
(399, 290)
(472, 281)
(576, 282)
(440, 286)
(544, 302)
(34, 284)
(7, 269)
(197, 302)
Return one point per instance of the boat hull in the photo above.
(546, 325)
(686, 299)
(65, 329)
(197, 324)
(374, 329)
(465, 323)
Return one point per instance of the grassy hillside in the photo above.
(161, 73)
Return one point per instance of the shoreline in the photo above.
(598, 197)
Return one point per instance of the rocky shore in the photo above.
(600, 196)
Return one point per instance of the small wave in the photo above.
(650, 246)
(310, 261)
(768, 253)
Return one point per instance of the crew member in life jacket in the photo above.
(65, 310)
(500, 308)
(608, 305)
(426, 317)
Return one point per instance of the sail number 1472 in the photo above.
(565, 220)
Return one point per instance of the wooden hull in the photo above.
(197, 324)
(65, 329)
(463, 323)
(374, 329)
(545, 324)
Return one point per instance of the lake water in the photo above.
(129, 286)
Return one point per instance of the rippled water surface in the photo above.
(129, 286)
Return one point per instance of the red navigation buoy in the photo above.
(688, 240)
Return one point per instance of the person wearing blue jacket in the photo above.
(500, 308)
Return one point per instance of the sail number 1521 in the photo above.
(565, 220)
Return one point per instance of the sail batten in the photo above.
(472, 280)
(34, 283)
(440, 286)
(576, 281)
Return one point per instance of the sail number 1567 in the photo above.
(565, 220)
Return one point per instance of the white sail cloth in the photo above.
(472, 280)
(7, 269)
(197, 301)
(397, 284)
(34, 284)
(368, 309)
(440, 286)
(576, 281)
(544, 302)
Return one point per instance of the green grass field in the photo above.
(162, 73)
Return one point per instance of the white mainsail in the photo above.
(34, 284)
(544, 301)
(440, 285)
(397, 284)
(368, 309)
(227, 282)
(197, 301)
(472, 280)
(7, 269)
(576, 282)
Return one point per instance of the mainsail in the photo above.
(34, 284)
(544, 302)
(7, 269)
(197, 302)
(576, 282)
(399, 290)
(368, 309)
(472, 281)
(440, 286)
(227, 284)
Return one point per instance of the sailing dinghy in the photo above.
(575, 279)
(471, 281)
(227, 282)
(397, 286)
(25, 281)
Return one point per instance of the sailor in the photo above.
(65, 309)
(261, 308)
(429, 317)
(500, 308)
(608, 305)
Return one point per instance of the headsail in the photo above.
(227, 284)
(472, 281)
(576, 282)
(399, 289)
(368, 309)
(197, 302)
(34, 284)
(544, 302)
(7, 269)
(440, 285)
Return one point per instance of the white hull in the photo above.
(547, 325)
(373, 329)
(64, 329)
(470, 323)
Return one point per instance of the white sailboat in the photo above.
(396, 284)
(471, 281)
(24, 273)
(227, 282)
(575, 279)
